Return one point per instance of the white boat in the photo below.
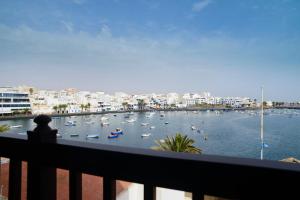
(195, 112)
(58, 135)
(152, 127)
(16, 126)
(70, 123)
(131, 120)
(131, 113)
(146, 134)
(74, 135)
(193, 127)
(144, 124)
(22, 133)
(93, 136)
(104, 124)
(90, 122)
(150, 115)
(162, 141)
(104, 118)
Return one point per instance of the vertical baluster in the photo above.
(198, 195)
(109, 188)
(149, 192)
(15, 179)
(75, 185)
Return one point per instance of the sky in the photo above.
(226, 47)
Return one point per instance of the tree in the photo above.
(88, 106)
(141, 104)
(4, 128)
(125, 105)
(31, 91)
(82, 106)
(55, 108)
(178, 143)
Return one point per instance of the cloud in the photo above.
(90, 61)
(68, 26)
(199, 6)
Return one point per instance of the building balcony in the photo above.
(201, 175)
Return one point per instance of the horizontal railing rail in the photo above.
(228, 177)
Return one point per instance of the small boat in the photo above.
(150, 115)
(131, 120)
(104, 118)
(104, 124)
(193, 127)
(152, 127)
(162, 141)
(127, 116)
(115, 115)
(93, 136)
(70, 123)
(162, 115)
(16, 126)
(166, 122)
(22, 133)
(144, 124)
(146, 134)
(118, 131)
(90, 122)
(74, 135)
(112, 136)
(205, 137)
(130, 113)
(58, 135)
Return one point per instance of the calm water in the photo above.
(229, 133)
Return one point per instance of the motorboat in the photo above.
(193, 127)
(104, 124)
(113, 136)
(166, 122)
(70, 123)
(74, 135)
(58, 135)
(131, 120)
(118, 131)
(152, 127)
(146, 134)
(93, 136)
(104, 118)
(144, 124)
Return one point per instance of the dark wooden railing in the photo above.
(227, 177)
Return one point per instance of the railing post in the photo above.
(41, 180)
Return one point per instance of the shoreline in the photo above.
(3, 118)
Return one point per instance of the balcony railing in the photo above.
(227, 177)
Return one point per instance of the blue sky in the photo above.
(227, 47)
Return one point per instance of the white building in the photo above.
(13, 101)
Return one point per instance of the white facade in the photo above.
(13, 101)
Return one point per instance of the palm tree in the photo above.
(4, 128)
(82, 106)
(55, 108)
(141, 104)
(125, 105)
(88, 106)
(178, 143)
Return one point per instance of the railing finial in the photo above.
(43, 132)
